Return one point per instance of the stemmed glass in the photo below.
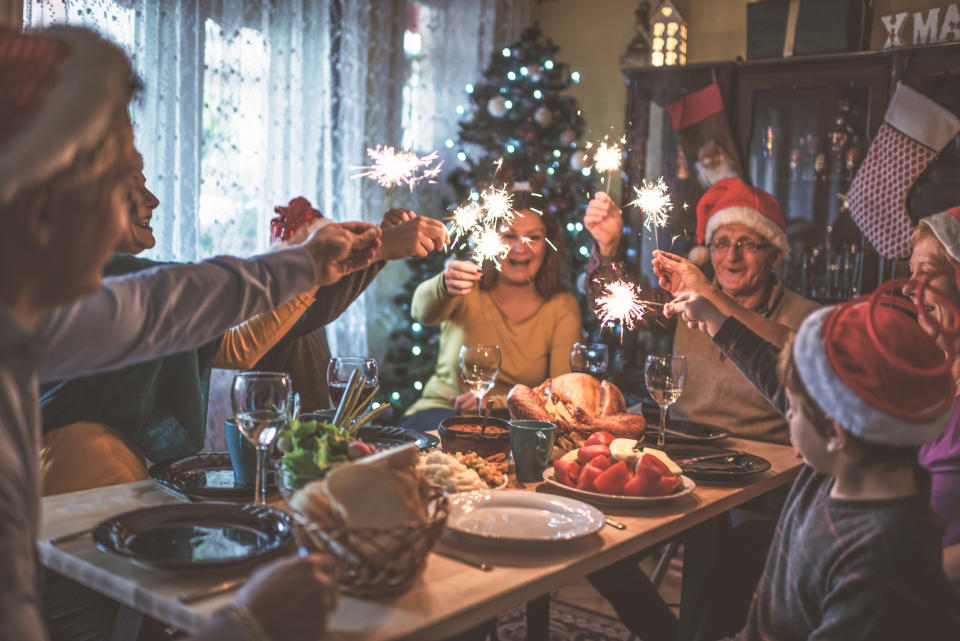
(479, 368)
(665, 376)
(589, 358)
(261, 407)
(340, 369)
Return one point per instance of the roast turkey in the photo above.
(579, 405)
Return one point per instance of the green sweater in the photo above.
(531, 350)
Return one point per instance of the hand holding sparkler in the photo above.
(459, 277)
(604, 221)
(678, 274)
(414, 237)
(697, 311)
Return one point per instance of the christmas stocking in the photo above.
(914, 130)
(705, 134)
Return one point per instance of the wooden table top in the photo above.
(448, 598)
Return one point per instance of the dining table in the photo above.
(449, 597)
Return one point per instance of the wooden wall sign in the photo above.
(941, 24)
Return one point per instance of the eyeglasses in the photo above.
(746, 246)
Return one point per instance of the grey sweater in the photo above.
(848, 570)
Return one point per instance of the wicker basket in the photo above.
(377, 562)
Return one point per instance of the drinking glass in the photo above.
(665, 376)
(339, 371)
(589, 358)
(260, 405)
(479, 368)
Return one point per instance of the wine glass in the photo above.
(339, 371)
(665, 376)
(479, 368)
(589, 358)
(260, 406)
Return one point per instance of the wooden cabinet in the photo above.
(802, 126)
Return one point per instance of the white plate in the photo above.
(686, 486)
(515, 516)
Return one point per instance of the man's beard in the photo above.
(722, 167)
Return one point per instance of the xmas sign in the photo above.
(941, 24)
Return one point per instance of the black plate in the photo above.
(678, 430)
(205, 476)
(385, 436)
(735, 467)
(193, 536)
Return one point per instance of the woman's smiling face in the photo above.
(526, 238)
(928, 257)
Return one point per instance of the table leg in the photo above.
(538, 618)
(127, 625)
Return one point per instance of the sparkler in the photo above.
(620, 302)
(465, 218)
(654, 201)
(497, 205)
(489, 246)
(392, 168)
(607, 160)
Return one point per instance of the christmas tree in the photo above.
(521, 123)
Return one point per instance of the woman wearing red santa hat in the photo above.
(743, 228)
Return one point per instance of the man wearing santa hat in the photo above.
(743, 230)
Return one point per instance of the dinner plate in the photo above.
(205, 476)
(384, 436)
(191, 536)
(518, 517)
(732, 467)
(686, 486)
(678, 430)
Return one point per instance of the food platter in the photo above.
(196, 536)
(518, 517)
(686, 487)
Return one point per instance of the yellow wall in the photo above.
(593, 34)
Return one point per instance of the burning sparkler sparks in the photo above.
(620, 302)
(392, 168)
(489, 246)
(497, 205)
(607, 159)
(654, 201)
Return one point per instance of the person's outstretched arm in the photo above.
(172, 308)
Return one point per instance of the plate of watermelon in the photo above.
(613, 471)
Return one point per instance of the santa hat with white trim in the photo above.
(870, 366)
(946, 227)
(60, 91)
(733, 201)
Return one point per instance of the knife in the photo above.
(708, 457)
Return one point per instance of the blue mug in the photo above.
(532, 445)
(243, 455)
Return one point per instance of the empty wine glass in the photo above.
(260, 406)
(479, 368)
(589, 358)
(339, 371)
(665, 376)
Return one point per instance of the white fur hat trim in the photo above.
(842, 404)
(946, 228)
(91, 83)
(752, 219)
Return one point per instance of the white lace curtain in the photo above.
(249, 103)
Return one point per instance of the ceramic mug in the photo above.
(532, 444)
(243, 455)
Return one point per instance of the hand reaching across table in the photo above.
(678, 274)
(697, 311)
(340, 248)
(405, 235)
(460, 276)
(604, 221)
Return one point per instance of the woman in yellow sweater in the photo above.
(526, 308)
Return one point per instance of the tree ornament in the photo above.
(568, 137)
(497, 107)
(578, 160)
(543, 117)
(527, 132)
(536, 73)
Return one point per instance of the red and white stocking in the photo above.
(914, 131)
